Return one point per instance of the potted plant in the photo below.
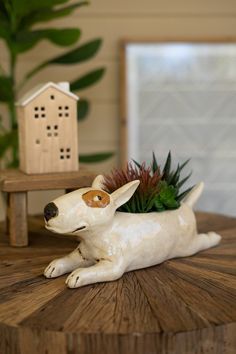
(131, 219)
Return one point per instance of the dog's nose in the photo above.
(50, 211)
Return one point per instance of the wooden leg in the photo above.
(7, 216)
(17, 219)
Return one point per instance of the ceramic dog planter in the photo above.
(112, 242)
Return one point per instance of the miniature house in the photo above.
(48, 139)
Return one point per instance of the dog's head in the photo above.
(84, 208)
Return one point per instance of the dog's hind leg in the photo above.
(201, 242)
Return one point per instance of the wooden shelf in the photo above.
(181, 306)
(17, 181)
(17, 184)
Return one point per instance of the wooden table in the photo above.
(16, 184)
(182, 306)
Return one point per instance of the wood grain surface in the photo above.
(17, 181)
(17, 219)
(182, 306)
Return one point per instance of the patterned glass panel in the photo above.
(182, 97)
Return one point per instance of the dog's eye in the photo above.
(96, 199)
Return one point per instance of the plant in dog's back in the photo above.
(135, 218)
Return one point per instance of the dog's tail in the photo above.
(192, 197)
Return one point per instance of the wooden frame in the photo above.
(123, 133)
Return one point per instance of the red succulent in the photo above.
(142, 200)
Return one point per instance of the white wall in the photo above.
(114, 20)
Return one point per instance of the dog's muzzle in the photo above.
(50, 211)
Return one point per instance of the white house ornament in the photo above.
(48, 134)
(113, 242)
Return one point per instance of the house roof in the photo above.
(31, 94)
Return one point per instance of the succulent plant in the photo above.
(159, 189)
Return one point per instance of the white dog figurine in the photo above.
(112, 242)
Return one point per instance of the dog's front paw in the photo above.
(73, 280)
(55, 269)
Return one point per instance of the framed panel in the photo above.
(181, 96)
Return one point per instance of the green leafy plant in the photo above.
(159, 189)
(17, 29)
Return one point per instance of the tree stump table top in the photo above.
(185, 305)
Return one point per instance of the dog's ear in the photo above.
(98, 182)
(124, 193)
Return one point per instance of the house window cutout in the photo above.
(36, 108)
(36, 116)
(52, 130)
(65, 153)
(52, 97)
(43, 115)
(63, 111)
(42, 108)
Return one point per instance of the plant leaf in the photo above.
(6, 92)
(82, 109)
(167, 167)
(48, 14)
(75, 56)
(167, 196)
(61, 37)
(155, 166)
(175, 178)
(181, 183)
(8, 140)
(87, 80)
(158, 205)
(91, 158)
(23, 7)
(184, 164)
(137, 164)
(82, 53)
(182, 195)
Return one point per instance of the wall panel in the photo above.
(113, 21)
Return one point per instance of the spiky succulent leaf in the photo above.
(184, 164)
(167, 167)
(181, 183)
(136, 163)
(155, 166)
(183, 194)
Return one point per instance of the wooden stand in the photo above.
(182, 306)
(16, 184)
